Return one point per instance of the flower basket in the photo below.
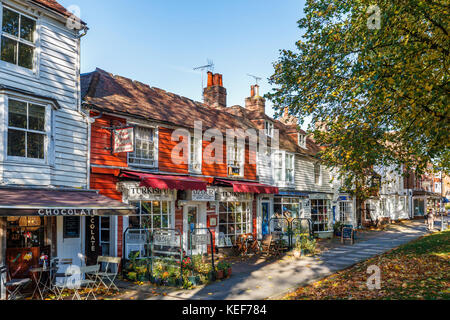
(220, 274)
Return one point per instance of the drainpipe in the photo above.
(86, 117)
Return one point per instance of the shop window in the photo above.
(18, 38)
(145, 153)
(234, 219)
(320, 211)
(235, 159)
(152, 215)
(105, 235)
(287, 207)
(71, 227)
(24, 232)
(27, 130)
(195, 155)
(345, 212)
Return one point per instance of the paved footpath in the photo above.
(263, 280)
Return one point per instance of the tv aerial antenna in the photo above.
(209, 66)
(257, 79)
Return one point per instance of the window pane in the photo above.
(105, 236)
(10, 22)
(27, 27)
(16, 143)
(26, 54)
(36, 118)
(17, 114)
(105, 222)
(35, 145)
(9, 50)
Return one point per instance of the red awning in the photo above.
(249, 187)
(164, 182)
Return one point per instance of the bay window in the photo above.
(152, 215)
(320, 214)
(235, 218)
(18, 38)
(145, 152)
(195, 155)
(27, 130)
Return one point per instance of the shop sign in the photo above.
(319, 196)
(234, 196)
(123, 140)
(200, 239)
(144, 193)
(166, 239)
(92, 239)
(67, 212)
(201, 195)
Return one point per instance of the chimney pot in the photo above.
(252, 91)
(256, 90)
(216, 79)
(220, 80)
(210, 79)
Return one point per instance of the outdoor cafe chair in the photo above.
(76, 280)
(13, 286)
(107, 276)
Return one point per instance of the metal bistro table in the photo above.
(43, 281)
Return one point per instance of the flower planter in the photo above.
(194, 280)
(219, 274)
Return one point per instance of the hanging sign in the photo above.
(123, 140)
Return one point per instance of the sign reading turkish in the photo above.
(123, 140)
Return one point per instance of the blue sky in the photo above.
(160, 42)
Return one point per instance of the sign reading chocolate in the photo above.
(123, 140)
(67, 212)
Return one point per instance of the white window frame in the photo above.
(268, 128)
(326, 203)
(302, 140)
(35, 44)
(170, 214)
(155, 148)
(48, 155)
(195, 155)
(237, 155)
(246, 214)
(346, 211)
(291, 157)
(318, 181)
(283, 168)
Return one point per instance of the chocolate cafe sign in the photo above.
(67, 212)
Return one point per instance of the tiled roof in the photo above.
(55, 6)
(117, 94)
(111, 93)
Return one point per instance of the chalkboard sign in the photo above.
(347, 234)
(71, 227)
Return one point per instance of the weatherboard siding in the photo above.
(56, 77)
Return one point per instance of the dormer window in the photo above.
(17, 39)
(302, 140)
(268, 128)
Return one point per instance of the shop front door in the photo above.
(265, 218)
(70, 239)
(194, 219)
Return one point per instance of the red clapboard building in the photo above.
(171, 187)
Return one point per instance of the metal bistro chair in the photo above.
(12, 286)
(105, 276)
(76, 279)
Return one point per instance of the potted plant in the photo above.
(222, 268)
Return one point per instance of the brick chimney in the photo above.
(287, 119)
(215, 95)
(255, 102)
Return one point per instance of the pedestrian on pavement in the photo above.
(430, 219)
